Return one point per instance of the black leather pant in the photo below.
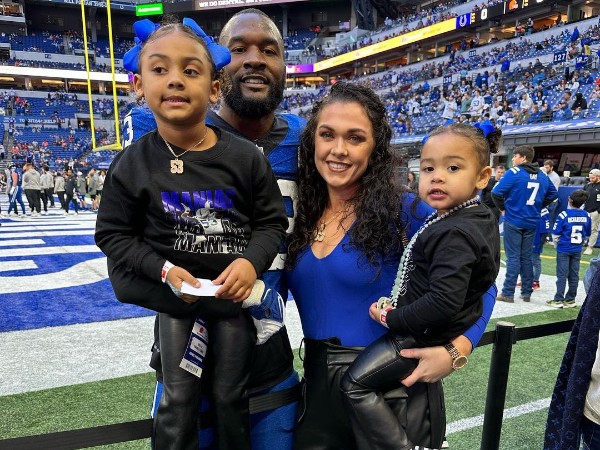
(231, 345)
(323, 423)
(375, 371)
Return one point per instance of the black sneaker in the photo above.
(526, 298)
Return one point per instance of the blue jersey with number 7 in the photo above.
(525, 190)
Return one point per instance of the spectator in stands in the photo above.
(496, 110)
(450, 108)
(568, 99)
(538, 78)
(547, 114)
(539, 98)
(580, 102)
(522, 116)
(476, 108)
(491, 81)
(592, 206)
(536, 115)
(573, 85)
(520, 195)
(578, 114)
(562, 112)
(465, 105)
(526, 102)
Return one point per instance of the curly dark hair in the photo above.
(376, 231)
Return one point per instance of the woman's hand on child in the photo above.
(237, 280)
(175, 278)
(435, 363)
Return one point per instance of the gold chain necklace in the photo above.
(177, 164)
(319, 233)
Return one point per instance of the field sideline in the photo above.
(75, 357)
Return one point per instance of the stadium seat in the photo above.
(577, 181)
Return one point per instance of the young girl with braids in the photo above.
(444, 271)
(190, 200)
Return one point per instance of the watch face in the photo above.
(460, 362)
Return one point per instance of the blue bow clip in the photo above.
(445, 124)
(144, 28)
(486, 127)
(219, 53)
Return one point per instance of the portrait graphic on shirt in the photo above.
(205, 221)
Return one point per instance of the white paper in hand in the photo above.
(206, 289)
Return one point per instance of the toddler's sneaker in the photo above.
(569, 304)
(268, 316)
(555, 304)
(536, 285)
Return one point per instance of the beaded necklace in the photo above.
(406, 263)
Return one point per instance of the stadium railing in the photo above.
(502, 338)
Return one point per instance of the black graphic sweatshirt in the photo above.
(225, 205)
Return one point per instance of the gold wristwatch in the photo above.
(458, 361)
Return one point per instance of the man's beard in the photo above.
(251, 108)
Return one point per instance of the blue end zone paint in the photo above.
(87, 301)
(47, 264)
(67, 306)
(55, 307)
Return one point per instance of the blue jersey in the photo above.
(572, 226)
(525, 190)
(542, 230)
(282, 154)
(137, 123)
(283, 157)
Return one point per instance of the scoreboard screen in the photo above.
(216, 4)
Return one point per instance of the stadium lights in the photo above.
(7, 79)
(52, 82)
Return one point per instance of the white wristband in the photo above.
(165, 270)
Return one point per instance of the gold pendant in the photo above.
(319, 233)
(176, 166)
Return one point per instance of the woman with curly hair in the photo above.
(350, 225)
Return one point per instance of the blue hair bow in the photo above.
(144, 28)
(486, 127)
